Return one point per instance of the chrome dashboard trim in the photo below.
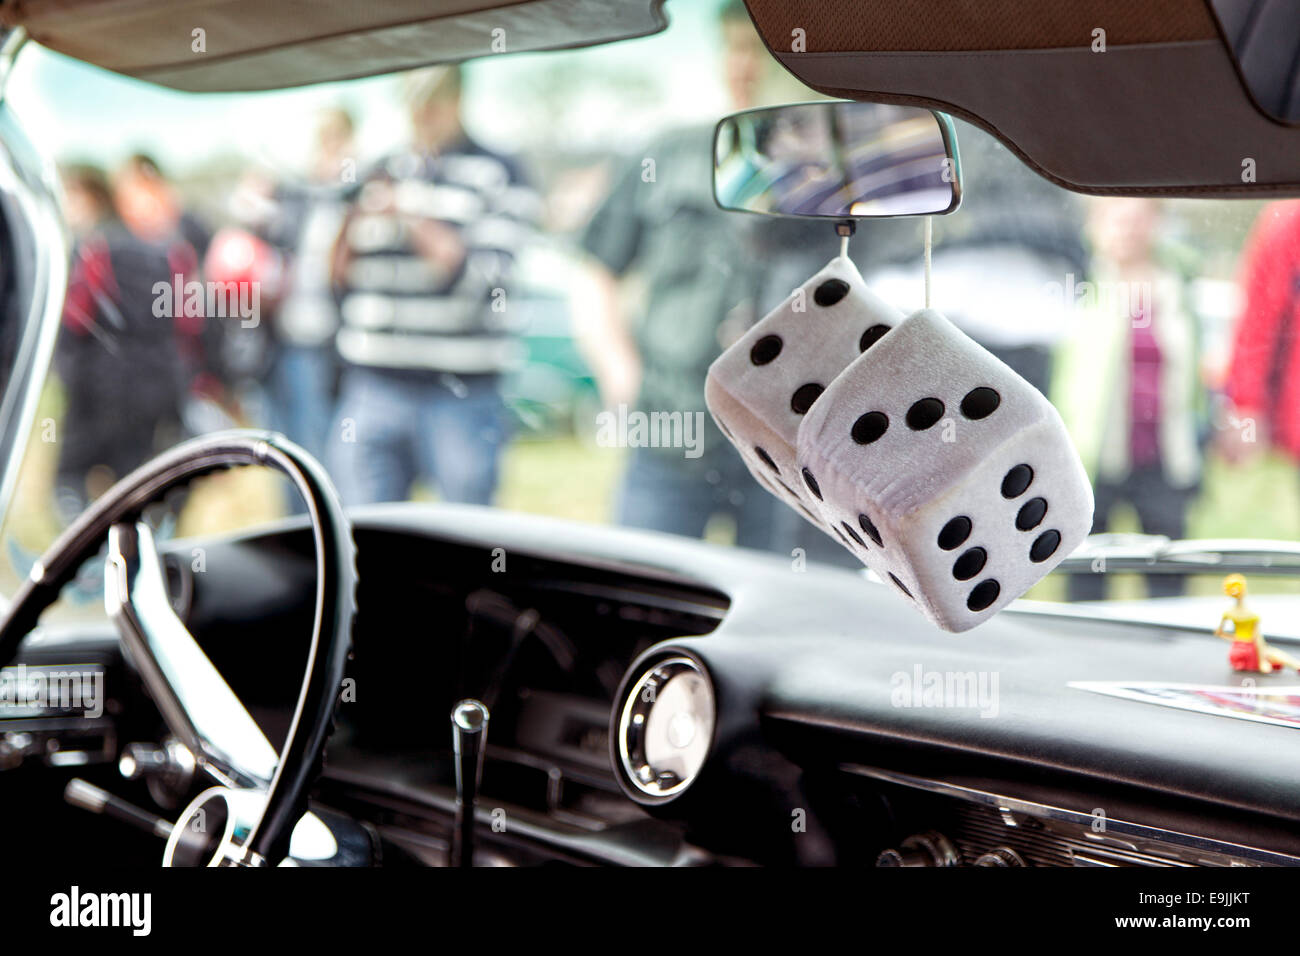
(1113, 827)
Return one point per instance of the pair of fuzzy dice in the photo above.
(760, 389)
(944, 471)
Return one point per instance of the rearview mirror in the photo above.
(837, 160)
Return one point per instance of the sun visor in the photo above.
(230, 45)
(1099, 96)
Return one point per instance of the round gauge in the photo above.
(666, 727)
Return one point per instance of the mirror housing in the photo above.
(838, 160)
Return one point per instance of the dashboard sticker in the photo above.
(1276, 704)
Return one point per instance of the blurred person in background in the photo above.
(117, 357)
(1129, 383)
(302, 220)
(700, 276)
(150, 206)
(421, 269)
(1263, 378)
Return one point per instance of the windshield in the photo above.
(503, 284)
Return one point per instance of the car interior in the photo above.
(435, 683)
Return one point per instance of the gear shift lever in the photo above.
(469, 724)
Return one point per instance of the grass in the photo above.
(563, 477)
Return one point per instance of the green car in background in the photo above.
(551, 392)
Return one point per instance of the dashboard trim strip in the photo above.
(1031, 808)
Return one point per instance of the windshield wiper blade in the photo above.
(1157, 554)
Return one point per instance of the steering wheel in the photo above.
(194, 699)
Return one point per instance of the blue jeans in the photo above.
(300, 389)
(663, 493)
(392, 430)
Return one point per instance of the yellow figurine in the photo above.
(1250, 652)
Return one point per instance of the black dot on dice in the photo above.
(924, 413)
(983, 594)
(954, 532)
(725, 430)
(869, 427)
(980, 403)
(867, 525)
(852, 534)
(901, 586)
(970, 563)
(872, 336)
(1045, 545)
(1016, 481)
(843, 540)
(804, 396)
(765, 349)
(811, 482)
(1031, 513)
(766, 459)
(830, 292)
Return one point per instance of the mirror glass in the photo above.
(837, 160)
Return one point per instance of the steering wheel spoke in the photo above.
(196, 703)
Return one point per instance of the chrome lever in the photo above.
(469, 724)
(87, 796)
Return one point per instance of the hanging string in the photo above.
(928, 236)
(844, 229)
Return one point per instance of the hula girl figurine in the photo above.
(1250, 652)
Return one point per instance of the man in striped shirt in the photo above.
(426, 325)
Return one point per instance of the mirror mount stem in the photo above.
(845, 228)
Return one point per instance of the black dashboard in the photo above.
(820, 753)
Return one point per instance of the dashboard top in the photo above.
(834, 668)
(835, 652)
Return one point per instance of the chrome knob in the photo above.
(922, 849)
(168, 769)
(10, 756)
(469, 724)
(1000, 856)
(137, 760)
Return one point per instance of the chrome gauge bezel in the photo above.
(633, 720)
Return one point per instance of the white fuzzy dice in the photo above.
(948, 474)
(760, 389)
(944, 471)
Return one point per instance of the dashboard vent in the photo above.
(979, 830)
